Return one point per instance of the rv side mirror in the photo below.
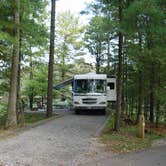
(111, 85)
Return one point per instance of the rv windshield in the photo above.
(90, 86)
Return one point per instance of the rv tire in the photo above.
(103, 112)
(77, 111)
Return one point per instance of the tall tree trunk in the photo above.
(97, 62)
(31, 102)
(151, 118)
(158, 100)
(20, 109)
(42, 101)
(123, 86)
(139, 95)
(63, 58)
(19, 76)
(126, 86)
(63, 67)
(31, 96)
(157, 112)
(131, 107)
(119, 74)
(145, 108)
(108, 58)
(139, 82)
(11, 111)
(51, 60)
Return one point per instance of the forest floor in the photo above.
(126, 140)
(159, 129)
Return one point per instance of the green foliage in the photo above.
(146, 23)
(69, 37)
(38, 85)
(69, 44)
(34, 117)
(95, 36)
(100, 32)
(142, 25)
(109, 125)
(32, 29)
(3, 112)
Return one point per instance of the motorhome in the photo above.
(91, 91)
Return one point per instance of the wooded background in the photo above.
(126, 38)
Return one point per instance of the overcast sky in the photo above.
(74, 5)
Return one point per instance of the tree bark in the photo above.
(151, 118)
(139, 95)
(51, 61)
(97, 62)
(108, 58)
(123, 86)
(145, 108)
(97, 65)
(20, 106)
(63, 58)
(139, 82)
(31, 96)
(158, 100)
(11, 111)
(126, 85)
(31, 102)
(119, 74)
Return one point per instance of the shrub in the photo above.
(3, 112)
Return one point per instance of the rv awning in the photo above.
(63, 84)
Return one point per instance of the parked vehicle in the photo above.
(91, 91)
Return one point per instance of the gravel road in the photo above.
(59, 142)
(70, 141)
(155, 156)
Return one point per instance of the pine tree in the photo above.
(11, 118)
(51, 60)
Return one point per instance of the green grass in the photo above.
(126, 139)
(3, 113)
(34, 117)
(30, 118)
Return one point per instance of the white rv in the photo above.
(93, 91)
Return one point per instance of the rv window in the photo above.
(90, 86)
(111, 85)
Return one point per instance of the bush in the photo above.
(3, 112)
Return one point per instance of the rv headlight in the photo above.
(103, 102)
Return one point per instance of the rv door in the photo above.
(111, 89)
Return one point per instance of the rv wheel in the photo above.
(103, 112)
(77, 112)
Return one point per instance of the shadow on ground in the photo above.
(91, 112)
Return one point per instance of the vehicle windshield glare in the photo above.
(90, 86)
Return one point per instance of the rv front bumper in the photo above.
(89, 108)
